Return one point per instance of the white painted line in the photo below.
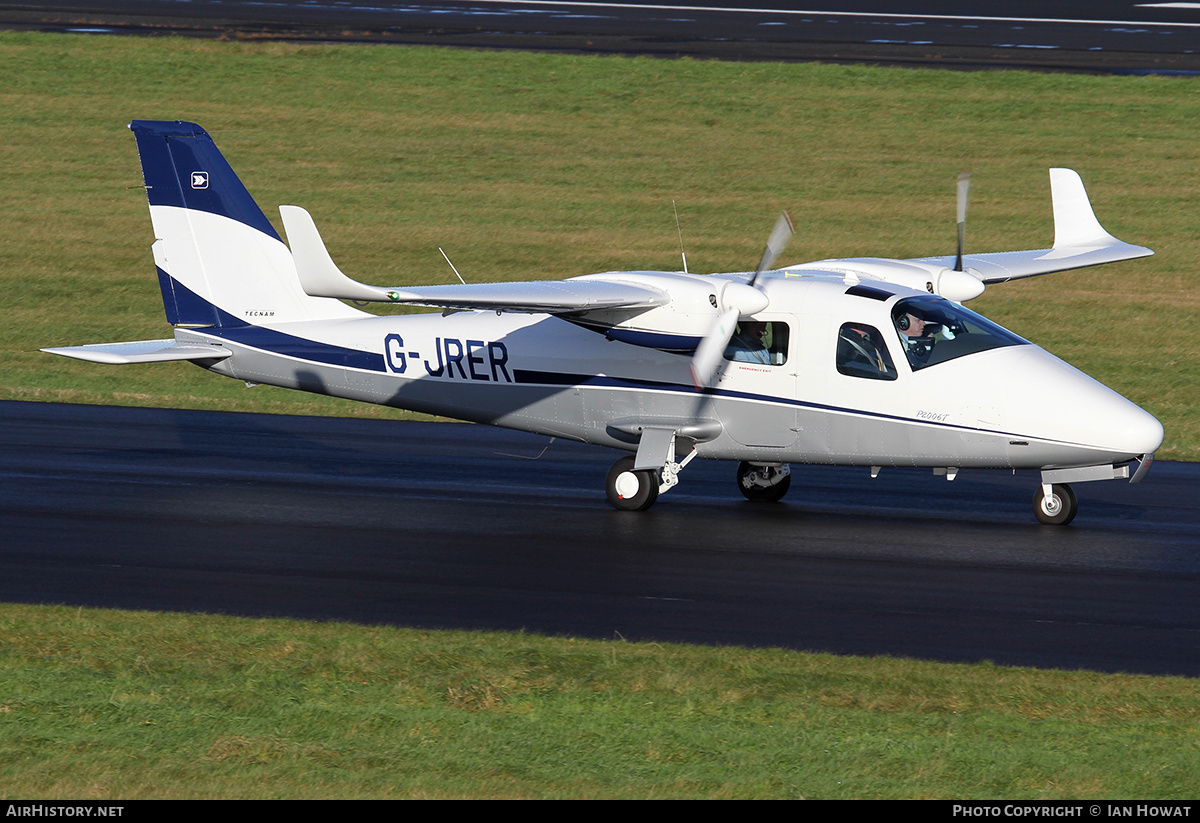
(815, 13)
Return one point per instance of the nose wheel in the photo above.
(1057, 507)
(629, 490)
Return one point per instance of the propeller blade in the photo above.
(964, 188)
(712, 348)
(737, 300)
(776, 243)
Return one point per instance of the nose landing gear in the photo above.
(1055, 505)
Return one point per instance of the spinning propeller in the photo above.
(957, 283)
(735, 300)
(964, 188)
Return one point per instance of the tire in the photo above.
(628, 490)
(1059, 508)
(761, 494)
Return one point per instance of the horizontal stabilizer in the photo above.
(142, 351)
(320, 277)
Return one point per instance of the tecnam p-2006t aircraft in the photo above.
(861, 361)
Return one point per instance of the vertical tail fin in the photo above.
(220, 261)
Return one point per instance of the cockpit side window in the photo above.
(758, 342)
(861, 352)
(933, 330)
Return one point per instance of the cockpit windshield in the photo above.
(933, 330)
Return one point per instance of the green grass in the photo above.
(100, 704)
(536, 165)
(549, 166)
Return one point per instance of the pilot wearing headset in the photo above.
(913, 334)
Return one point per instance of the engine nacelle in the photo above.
(959, 286)
(679, 326)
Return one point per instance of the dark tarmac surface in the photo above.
(1053, 35)
(426, 525)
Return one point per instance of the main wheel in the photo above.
(748, 473)
(629, 490)
(1056, 509)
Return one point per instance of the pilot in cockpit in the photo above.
(916, 334)
(911, 325)
(751, 343)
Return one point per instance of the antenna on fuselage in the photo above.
(679, 231)
(460, 278)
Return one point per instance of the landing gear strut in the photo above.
(629, 490)
(763, 483)
(1057, 507)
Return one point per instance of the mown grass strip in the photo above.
(106, 704)
(539, 165)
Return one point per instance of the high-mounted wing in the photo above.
(1079, 241)
(320, 277)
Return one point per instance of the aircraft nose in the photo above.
(1053, 398)
(1145, 432)
(1128, 428)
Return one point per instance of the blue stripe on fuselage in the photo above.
(236, 330)
(301, 348)
(270, 340)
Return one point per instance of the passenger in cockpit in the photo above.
(862, 353)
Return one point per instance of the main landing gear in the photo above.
(1055, 505)
(629, 490)
(633, 491)
(763, 483)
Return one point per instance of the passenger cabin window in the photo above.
(756, 342)
(861, 352)
(933, 330)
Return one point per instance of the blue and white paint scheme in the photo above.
(859, 361)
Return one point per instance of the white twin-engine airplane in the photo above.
(860, 362)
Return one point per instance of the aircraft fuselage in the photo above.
(1014, 406)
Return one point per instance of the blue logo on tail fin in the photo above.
(171, 152)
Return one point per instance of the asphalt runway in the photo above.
(1103, 35)
(431, 525)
